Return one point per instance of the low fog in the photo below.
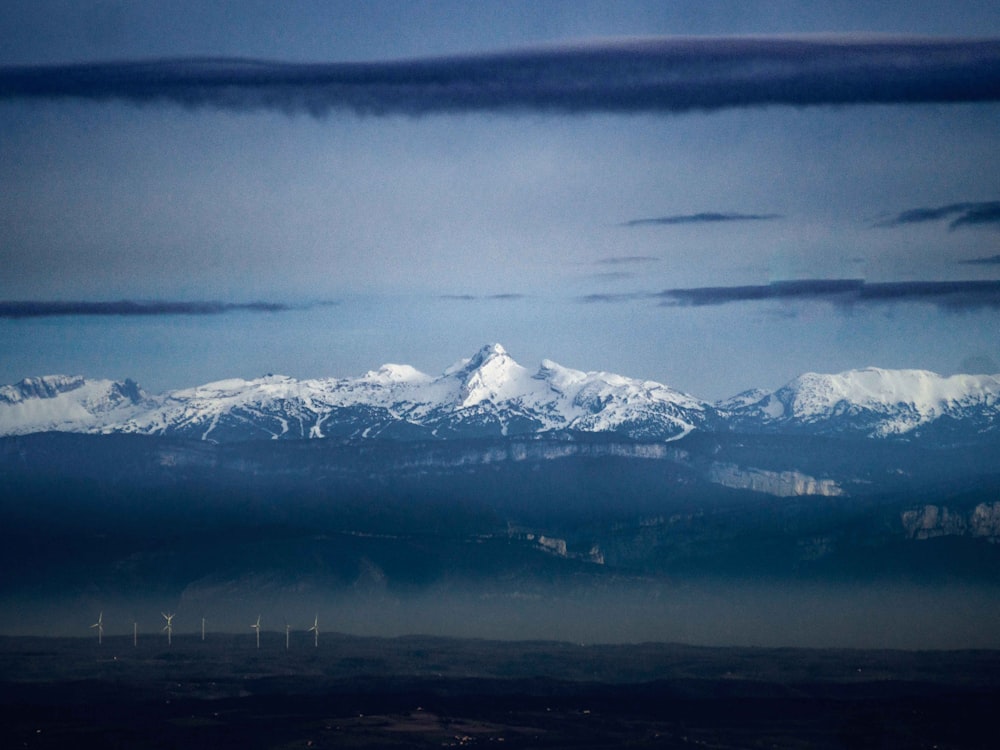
(710, 613)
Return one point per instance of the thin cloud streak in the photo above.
(992, 260)
(965, 215)
(699, 218)
(610, 276)
(625, 260)
(502, 297)
(616, 297)
(950, 295)
(128, 308)
(663, 74)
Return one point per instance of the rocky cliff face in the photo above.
(931, 521)
(777, 483)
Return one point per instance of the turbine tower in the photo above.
(315, 630)
(135, 633)
(288, 629)
(202, 628)
(256, 626)
(169, 627)
(100, 628)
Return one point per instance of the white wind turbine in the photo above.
(288, 629)
(256, 626)
(100, 628)
(169, 627)
(203, 628)
(315, 630)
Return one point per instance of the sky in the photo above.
(712, 195)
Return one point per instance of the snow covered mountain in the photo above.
(487, 395)
(491, 395)
(872, 402)
(67, 404)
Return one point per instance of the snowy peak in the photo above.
(492, 375)
(491, 395)
(390, 373)
(560, 398)
(481, 358)
(491, 357)
(489, 353)
(874, 401)
(742, 399)
(66, 403)
(46, 386)
(924, 392)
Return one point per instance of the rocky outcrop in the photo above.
(777, 483)
(932, 521)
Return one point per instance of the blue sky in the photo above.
(561, 234)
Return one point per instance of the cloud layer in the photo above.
(700, 218)
(502, 297)
(43, 309)
(953, 295)
(961, 215)
(666, 74)
(950, 295)
(626, 260)
(992, 260)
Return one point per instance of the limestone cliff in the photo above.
(937, 520)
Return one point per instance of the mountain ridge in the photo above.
(490, 395)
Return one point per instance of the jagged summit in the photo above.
(491, 375)
(490, 394)
(481, 358)
(488, 353)
(46, 386)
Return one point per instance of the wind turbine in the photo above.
(169, 627)
(315, 629)
(288, 629)
(203, 628)
(135, 633)
(256, 626)
(100, 628)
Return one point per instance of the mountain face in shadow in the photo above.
(117, 514)
(858, 508)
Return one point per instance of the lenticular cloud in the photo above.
(668, 74)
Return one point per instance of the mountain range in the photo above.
(492, 483)
(491, 395)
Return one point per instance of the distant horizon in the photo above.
(456, 363)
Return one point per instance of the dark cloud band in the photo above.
(954, 295)
(700, 218)
(991, 260)
(36, 309)
(961, 215)
(669, 74)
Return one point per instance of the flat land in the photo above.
(433, 692)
